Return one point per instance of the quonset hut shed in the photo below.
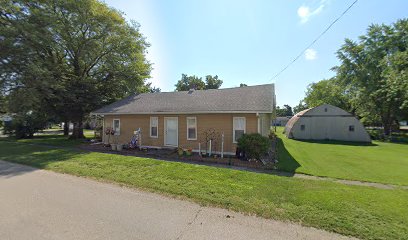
(326, 122)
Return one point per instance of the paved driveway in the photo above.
(38, 204)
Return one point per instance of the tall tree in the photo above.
(212, 82)
(193, 82)
(327, 92)
(373, 72)
(286, 110)
(78, 54)
(189, 82)
(300, 107)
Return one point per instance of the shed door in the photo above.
(171, 131)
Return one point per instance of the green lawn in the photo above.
(53, 139)
(363, 212)
(381, 162)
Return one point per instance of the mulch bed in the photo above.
(171, 155)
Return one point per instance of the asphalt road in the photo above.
(38, 204)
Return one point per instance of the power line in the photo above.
(314, 41)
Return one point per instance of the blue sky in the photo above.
(250, 41)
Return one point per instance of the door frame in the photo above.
(165, 130)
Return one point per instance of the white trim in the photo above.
(233, 127)
(171, 113)
(165, 129)
(157, 131)
(217, 152)
(259, 123)
(195, 127)
(113, 126)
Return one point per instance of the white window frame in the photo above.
(195, 127)
(113, 126)
(157, 132)
(233, 127)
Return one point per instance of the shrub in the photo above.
(272, 135)
(376, 134)
(254, 145)
(25, 125)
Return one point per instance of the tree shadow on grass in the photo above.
(34, 156)
(336, 142)
(286, 161)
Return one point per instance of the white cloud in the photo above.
(310, 54)
(305, 12)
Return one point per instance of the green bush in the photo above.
(25, 125)
(254, 145)
(376, 134)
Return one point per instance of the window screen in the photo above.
(191, 128)
(154, 125)
(239, 127)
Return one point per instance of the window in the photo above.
(116, 126)
(351, 128)
(191, 128)
(302, 127)
(239, 125)
(325, 109)
(154, 127)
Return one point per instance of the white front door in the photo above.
(171, 131)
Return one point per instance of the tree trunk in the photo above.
(66, 128)
(387, 123)
(78, 131)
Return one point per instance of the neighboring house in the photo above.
(326, 122)
(281, 121)
(6, 119)
(186, 118)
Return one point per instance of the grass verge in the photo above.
(363, 212)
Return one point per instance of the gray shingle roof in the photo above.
(241, 99)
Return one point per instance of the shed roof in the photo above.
(258, 98)
(314, 112)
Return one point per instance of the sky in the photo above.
(250, 41)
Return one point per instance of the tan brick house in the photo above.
(185, 118)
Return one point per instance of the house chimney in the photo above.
(191, 90)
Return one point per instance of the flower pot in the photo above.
(119, 147)
(189, 152)
(180, 152)
(113, 146)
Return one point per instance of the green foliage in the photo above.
(300, 107)
(254, 145)
(373, 72)
(212, 82)
(75, 55)
(242, 85)
(376, 134)
(327, 92)
(193, 82)
(148, 88)
(372, 78)
(189, 82)
(25, 125)
(285, 111)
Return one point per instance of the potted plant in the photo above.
(180, 151)
(189, 151)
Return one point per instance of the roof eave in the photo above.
(175, 113)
